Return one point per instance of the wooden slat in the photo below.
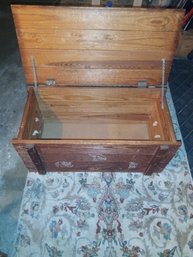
(74, 94)
(97, 104)
(99, 94)
(166, 121)
(96, 46)
(97, 58)
(62, 158)
(59, 155)
(93, 77)
(94, 115)
(96, 143)
(94, 64)
(156, 132)
(96, 39)
(44, 17)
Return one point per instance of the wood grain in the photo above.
(123, 158)
(96, 58)
(96, 46)
(156, 131)
(100, 158)
(162, 157)
(85, 47)
(22, 150)
(165, 119)
(99, 103)
(93, 77)
(96, 142)
(115, 153)
(32, 119)
(134, 19)
(109, 40)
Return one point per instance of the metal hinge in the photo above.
(50, 82)
(142, 84)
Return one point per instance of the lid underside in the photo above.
(96, 46)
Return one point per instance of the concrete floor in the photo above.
(181, 86)
(12, 99)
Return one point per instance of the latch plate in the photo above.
(142, 84)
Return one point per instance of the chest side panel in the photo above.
(96, 46)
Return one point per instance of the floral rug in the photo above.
(109, 214)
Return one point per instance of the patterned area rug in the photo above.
(109, 214)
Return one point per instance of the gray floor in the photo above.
(12, 99)
(181, 85)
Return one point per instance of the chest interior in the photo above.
(96, 113)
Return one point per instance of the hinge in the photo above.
(50, 82)
(142, 84)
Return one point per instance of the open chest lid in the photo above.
(96, 46)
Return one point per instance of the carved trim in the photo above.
(132, 165)
(64, 164)
(98, 158)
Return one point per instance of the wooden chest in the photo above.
(96, 97)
